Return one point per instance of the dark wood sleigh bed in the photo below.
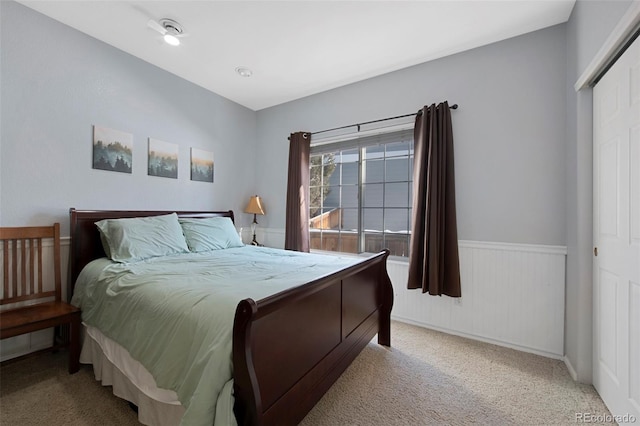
(290, 347)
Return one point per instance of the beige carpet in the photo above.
(426, 378)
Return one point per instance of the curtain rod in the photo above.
(454, 106)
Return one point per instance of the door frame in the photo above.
(628, 24)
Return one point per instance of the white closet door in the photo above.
(616, 195)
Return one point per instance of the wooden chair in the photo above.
(22, 284)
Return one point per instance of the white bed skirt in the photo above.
(113, 366)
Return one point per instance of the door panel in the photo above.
(607, 306)
(608, 185)
(634, 149)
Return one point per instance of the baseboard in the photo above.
(477, 337)
(572, 370)
(15, 347)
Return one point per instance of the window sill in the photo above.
(393, 259)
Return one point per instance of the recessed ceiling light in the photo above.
(244, 71)
(169, 29)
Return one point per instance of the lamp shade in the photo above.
(254, 206)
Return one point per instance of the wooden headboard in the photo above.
(85, 238)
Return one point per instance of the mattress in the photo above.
(174, 315)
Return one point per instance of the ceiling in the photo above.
(299, 48)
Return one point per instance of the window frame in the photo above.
(362, 141)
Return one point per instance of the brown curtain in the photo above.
(433, 260)
(296, 235)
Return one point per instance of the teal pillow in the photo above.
(135, 239)
(213, 233)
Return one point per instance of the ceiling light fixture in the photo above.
(244, 71)
(169, 28)
(171, 39)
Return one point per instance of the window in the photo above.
(360, 194)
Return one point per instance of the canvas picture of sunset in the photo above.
(201, 165)
(163, 159)
(112, 150)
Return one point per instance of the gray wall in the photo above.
(590, 24)
(509, 133)
(57, 83)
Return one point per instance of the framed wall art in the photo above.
(163, 159)
(112, 150)
(201, 165)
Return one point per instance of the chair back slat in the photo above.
(14, 264)
(23, 266)
(40, 289)
(5, 270)
(32, 274)
(24, 277)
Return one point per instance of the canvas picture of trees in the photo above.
(201, 165)
(112, 150)
(163, 159)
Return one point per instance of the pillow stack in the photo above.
(135, 239)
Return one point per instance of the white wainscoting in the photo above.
(270, 237)
(21, 345)
(512, 295)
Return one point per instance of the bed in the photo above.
(287, 347)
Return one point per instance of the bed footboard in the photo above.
(289, 348)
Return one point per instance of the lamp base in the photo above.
(254, 225)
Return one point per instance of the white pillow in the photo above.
(212, 233)
(135, 239)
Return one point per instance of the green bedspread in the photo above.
(175, 314)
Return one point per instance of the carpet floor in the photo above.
(426, 378)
